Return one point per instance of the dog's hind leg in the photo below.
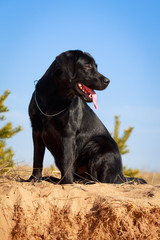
(111, 174)
(106, 168)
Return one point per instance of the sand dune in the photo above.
(98, 211)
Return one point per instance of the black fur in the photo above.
(80, 143)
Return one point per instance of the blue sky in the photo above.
(124, 38)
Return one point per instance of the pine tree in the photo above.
(122, 145)
(121, 141)
(6, 132)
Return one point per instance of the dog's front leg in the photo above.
(39, 149)
(67, 167)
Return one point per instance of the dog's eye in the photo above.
(88, 66)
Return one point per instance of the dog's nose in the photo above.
(106, 81)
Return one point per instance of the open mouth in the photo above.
(88, 94)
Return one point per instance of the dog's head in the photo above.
(79, 71)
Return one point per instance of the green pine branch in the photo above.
(2, 99)
(116, 129)
(6, 132)
(121, 141)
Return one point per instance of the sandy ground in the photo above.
(98, 211)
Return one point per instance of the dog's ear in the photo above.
(67, 63)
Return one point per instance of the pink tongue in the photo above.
(94, 99)
(94, 96)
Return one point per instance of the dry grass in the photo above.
(152, 178)
(25, 172)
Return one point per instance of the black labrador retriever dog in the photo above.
(64, 123)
